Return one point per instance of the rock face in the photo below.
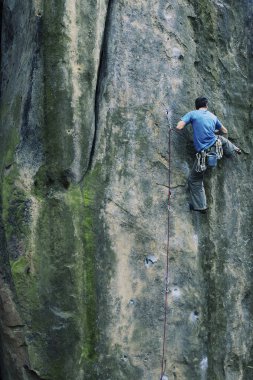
(84, 188)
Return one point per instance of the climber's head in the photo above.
(201, 102)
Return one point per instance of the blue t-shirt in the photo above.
(204, 124)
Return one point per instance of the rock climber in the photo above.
(204, 124)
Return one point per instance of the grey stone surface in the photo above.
(84, 191)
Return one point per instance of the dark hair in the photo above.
(201, 102)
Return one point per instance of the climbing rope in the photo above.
(163, 362)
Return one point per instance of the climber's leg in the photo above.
(229, 149)
(196, 188)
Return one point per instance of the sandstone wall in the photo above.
(84, 188)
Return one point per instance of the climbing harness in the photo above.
(163, 362)
(209, 157)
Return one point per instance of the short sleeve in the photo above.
(218, 124)
(187, 118)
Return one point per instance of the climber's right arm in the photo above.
(223, 129)
(180, 124)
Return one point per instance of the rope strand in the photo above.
(163, 363)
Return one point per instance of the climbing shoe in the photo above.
(238, 151)
(202, 211)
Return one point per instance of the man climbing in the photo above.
(204, 125)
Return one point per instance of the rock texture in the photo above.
(84, 188)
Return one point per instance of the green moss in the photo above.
(13, 138)
(15, 208)
(26, 288)
(90, 327)
(19, 266)
(85, 206)
(55, 318)
(10, 193)
(80, 203)
(57, 93)
(65, 262)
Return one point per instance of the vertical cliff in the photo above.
(84, 187)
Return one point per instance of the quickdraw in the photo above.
(219, 150)
(201, 161)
